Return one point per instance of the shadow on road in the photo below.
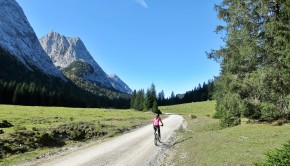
(164, 145)
(168, 145)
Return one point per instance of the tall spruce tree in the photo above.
(133, 99)
(139, 101)
(151, 99)
(255, 77)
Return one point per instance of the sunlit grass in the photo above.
(43, 118)
(199, 108)
(204, 143)
(201, 143)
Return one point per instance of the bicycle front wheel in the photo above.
(156, 138)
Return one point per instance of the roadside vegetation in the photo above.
(204, 142)
(30, 132)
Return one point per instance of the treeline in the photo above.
(255, 67)
(202, 92)
(34, 95)
(22, 86)
(150, 101)
(142, 101)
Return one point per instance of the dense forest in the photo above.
(255, 61)
(202, 92)
(150, 101)
(28, 93)
(22, 86)
(142, 101)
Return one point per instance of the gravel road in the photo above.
(134, 148)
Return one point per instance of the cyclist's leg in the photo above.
(159, 132)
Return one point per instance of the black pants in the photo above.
(158, 129)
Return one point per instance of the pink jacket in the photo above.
(156, 121)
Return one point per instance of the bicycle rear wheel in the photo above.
(156, 137)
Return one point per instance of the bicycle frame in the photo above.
(156, 137)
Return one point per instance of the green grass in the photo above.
(42, 118)
(204, 143)
(198, 108)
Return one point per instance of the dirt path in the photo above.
(135, 148)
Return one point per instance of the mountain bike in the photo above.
(156, 137)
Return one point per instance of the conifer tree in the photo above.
(139, 101)
(255, 77)
(133, 99)
(17, 94)
(150, 98)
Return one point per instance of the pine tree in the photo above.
(133, 99)
(150, 98)
(140, 98)
(254, 80)
(161, 97)
(2, 90)
(17, 94)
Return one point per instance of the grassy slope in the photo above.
(115, 120)
(205, 144)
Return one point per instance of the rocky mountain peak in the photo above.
(63, 51)
(19, 39)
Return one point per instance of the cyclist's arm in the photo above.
(161, 121)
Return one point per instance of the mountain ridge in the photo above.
(28, 75)
(19, 39)
(63, 51)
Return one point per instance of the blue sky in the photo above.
(142, 41)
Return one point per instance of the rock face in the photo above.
(18, 38)
(70, 54)
(117, 83)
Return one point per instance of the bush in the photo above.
(5, 124)
(230, 121)
(48, 140)
(278, 157)
(193, 116)
(78, 134)
(269, 112)
(75, 131)
(229, 110)
(35, 129)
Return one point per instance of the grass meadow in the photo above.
(116, 122)
(203, 142)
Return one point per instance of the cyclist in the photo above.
(156, 124)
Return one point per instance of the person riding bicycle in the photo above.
(156, 124)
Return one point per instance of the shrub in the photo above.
(47, 139)
(35, 129)
(278, 157)
(193, 116)
(71, 119)
(78, 134)
(75, 131)
(5, 124)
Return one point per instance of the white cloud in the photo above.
(142, 3)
